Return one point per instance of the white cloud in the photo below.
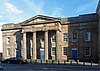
(12, 8)
(57, 12)
(36, 7)
(82, 8)
(85, 7)
(1, 23)
(1, 16)
(11, 13)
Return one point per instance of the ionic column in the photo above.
(24, 46)
(46, 45)
(57, 45)
(34, 46)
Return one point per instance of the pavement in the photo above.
(48, 67)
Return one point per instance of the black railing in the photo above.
(65, 62)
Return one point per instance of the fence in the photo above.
(70, 62)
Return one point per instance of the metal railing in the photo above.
(65, 62)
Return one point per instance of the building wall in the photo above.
(64, 29)
(80, 25)
(12, 45)
(1, 50)
(98, 13)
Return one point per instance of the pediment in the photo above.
(39, 19)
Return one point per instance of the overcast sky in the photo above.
(20, 10)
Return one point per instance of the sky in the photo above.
(14, 11)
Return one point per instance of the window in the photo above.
(74, 38)
(65, 37)
(8, 51)
(22, 51)
(8, 40)
(53, 38)
(64, 50)
(31, 51)
(87, 36)
(41, 39)
(87, 51)
(53, 51)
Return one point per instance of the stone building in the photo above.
(44, 37)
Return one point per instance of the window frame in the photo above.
(8, 40)
(86, 51)
(53, 38)
(8, 51)
(53, 51)
(73, 36)
(65, 37)
(64, 51)
(88, 38)
(31, 52)
(41, 39)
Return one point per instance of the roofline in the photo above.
(98, 6)
(40, 23)
(10, 29)
(37, 16)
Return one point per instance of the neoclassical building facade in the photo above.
(49, 38)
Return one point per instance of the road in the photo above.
(47, 67)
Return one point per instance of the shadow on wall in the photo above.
(18, 43)
(77, 26)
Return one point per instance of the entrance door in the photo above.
(16, 53)
(74, 53)
(41, 53)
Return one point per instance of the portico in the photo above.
(40, 40)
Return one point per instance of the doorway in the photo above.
(41, 54)
(74, 53)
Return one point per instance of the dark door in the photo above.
(17, 52)
(74, 53)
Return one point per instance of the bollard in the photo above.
(35, 61)
(8, 62)
(52, 61)
(77, 62)
(64, 61)
(83, 63)
(46, 61)
(58, 62)
(99, 63)
(41, 61)
(71, 62)
(30, 60)
(91, 63)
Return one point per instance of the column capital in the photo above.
(23, 32)
(34, 31)
(46, 30)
